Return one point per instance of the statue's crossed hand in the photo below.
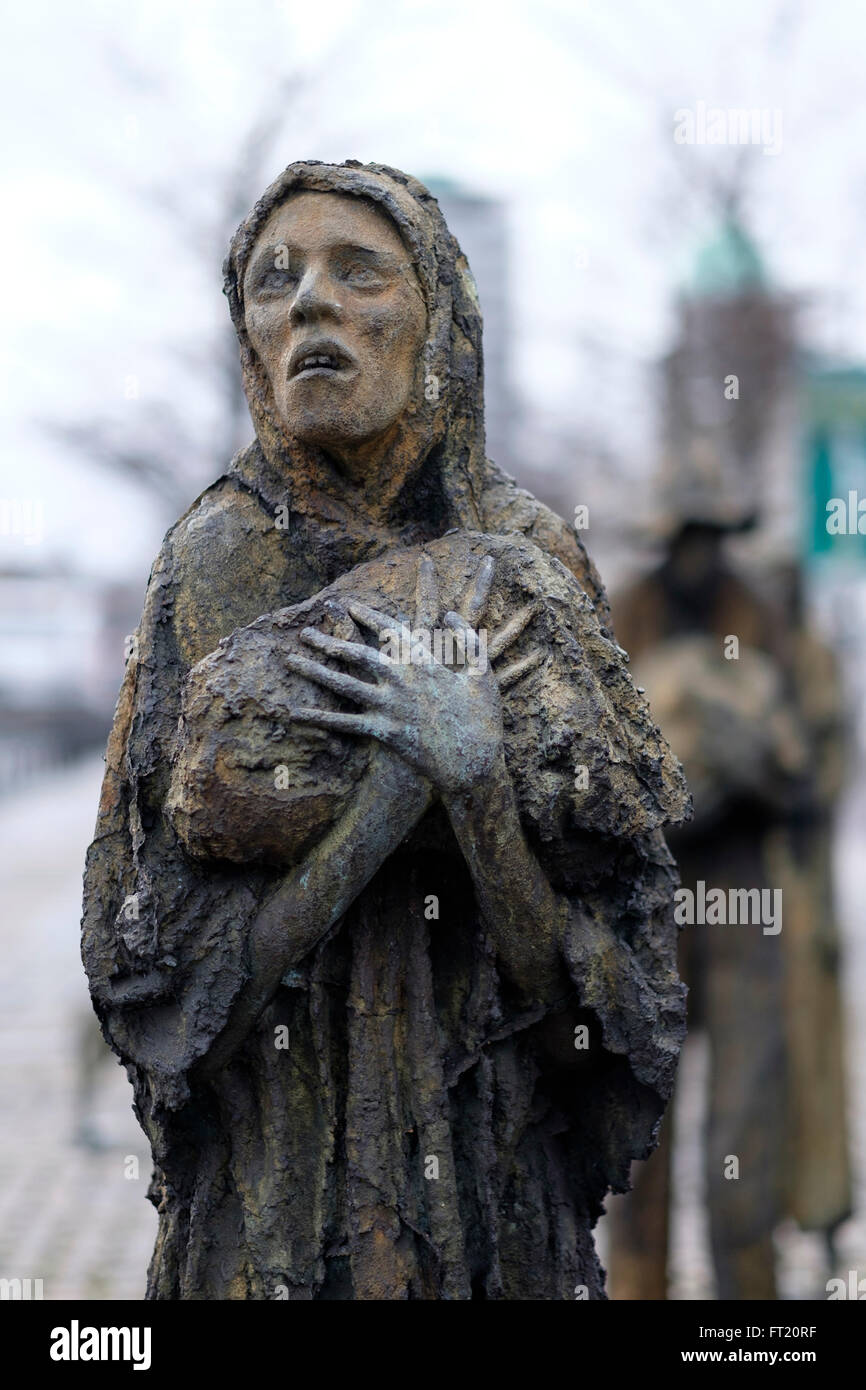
(445, 721)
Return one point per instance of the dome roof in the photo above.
(727, 265)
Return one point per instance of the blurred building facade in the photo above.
(480, 224)
(62, 635)
(833, 523)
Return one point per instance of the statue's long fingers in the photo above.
(355, 653)
(511, 630)
(363, 691)
(426, 595)
(474, 600)
(375, 621)
(520, 668)
(365, 724)
(467, 633)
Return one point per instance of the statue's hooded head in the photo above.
(360, 339)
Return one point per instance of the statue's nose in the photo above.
(314, 298)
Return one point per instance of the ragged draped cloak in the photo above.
(406, 1041)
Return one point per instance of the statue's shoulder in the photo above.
(221, 564)
(220, 523)
(508, 507)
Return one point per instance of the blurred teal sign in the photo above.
(836, 466)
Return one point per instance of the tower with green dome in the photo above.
(729, 431)
(727, 265)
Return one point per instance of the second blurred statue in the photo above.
(751, 702)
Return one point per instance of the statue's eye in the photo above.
(360, 275)
(278, 279)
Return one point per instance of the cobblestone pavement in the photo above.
(77, 1218)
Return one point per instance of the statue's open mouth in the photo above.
(322, 357)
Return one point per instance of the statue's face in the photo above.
(335, 312)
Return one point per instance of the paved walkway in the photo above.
(71, 1217)
(68, 1215)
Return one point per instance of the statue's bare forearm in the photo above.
(523, 913)
(315, 894)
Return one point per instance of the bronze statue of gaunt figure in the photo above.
(379, 913)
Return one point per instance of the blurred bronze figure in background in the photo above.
(751, 703)
(386, 945)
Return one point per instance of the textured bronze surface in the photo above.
(352, 998)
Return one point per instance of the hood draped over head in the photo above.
(439, 445)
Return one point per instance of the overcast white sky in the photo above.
(564, 110)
